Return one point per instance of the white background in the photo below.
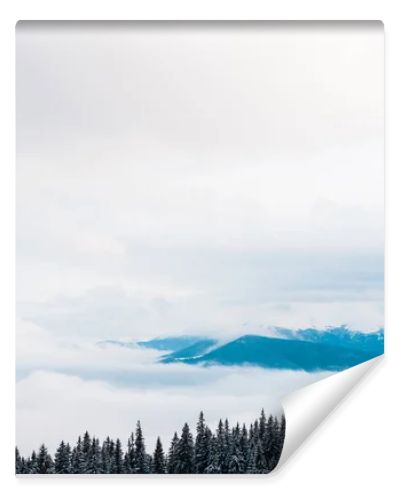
(355, 452)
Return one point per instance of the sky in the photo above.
(191, 178)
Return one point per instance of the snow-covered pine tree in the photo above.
(127, 467)
(209, 445)
(95, 465)
(86, 448)
(62, 459)
(218, 451)
(268, 443)
(69, 453)
(172, 459)
(118, 462)
(140, 459)
(18, 462)
(78, 462)
(149, 463)
(244, 445)
(107, 458)
(227, 447)
(130, 455)
(22, 464)
(111, 451)
(256, 430)
(236, 463)
(158, 462)
(262, 425)
(252, 461)
(201, 450)
(25, 465)
(33, 463)
(45, 463)
(227, 451)
(185, 452)
(274, 446)
(260, 464)
(214, 465)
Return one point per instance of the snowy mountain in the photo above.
(199, 348)
(278, 353)
(332, 349)
(340, 336)
(175, 343)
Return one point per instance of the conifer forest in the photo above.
(228, 450)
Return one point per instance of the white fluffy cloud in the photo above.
(54, 406)
(72, 387)
(187, 178)
(247, 168)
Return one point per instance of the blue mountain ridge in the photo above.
(174, 343)
(332, 349)
(198, 348)
(310, 349)
(276, 353)
(343, 337)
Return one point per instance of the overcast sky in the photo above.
(192, 177)
(217, 178)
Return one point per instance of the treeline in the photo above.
(235, 450)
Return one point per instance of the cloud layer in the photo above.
(185, 179)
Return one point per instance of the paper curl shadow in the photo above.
(308, 407)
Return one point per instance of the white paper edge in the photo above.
(306, 408)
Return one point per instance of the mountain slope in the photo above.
(278, 353)
(196, 349)
(343, 337)
(170, 343)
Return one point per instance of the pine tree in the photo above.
(172, 461)
(18, 462)
(263, 425)
(268, 441)
(219, 449)
(244, 445)
(44, 461)
(158, 463)
(201, 449)
(252, 461)
(141, 462)
(256, 430)
(86, 448)
(213, 466)
(33, 464)
(62, 459)
(118, 463)
(149, 463)
(260, 464)
(95, 465)
(185, 452)
(236, 463)
(229, 450)
(209, 446)
(25, 466)
(274, 444)
(130, 455)
(78, 463)
(107, 458)
(22, 465)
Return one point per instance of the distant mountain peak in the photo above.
(332, 349)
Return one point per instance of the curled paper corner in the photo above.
(306, 408)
